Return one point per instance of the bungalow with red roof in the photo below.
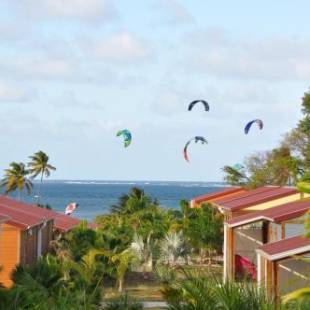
(283, 265)
(244, 234)
(255, 200)
(62, 223)
(24, 238)
(26, 233)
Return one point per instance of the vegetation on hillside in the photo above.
(284, 165)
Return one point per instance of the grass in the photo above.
(147, 287)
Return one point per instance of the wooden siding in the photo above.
(9, 252)
(47, 237)
(28, 249)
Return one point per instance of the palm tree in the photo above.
(39, 165)
(15, 178)
(50, 284)
(172, 248)
(134, 201)
(121, 261)
(144, 251)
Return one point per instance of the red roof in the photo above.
(3, 218)
(19, 216)
(285, 248)
(217, 194)
(26, 215)
(276, 214)
(254, 197)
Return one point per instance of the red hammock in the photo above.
(244, 266)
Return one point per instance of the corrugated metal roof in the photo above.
(217, 194)
(285, 248)
(4, 218)
(276, 214)
(20, 218)
(255, 197)
(26, 215)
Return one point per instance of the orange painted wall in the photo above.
(9, 252)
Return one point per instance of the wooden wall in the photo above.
(47, 237)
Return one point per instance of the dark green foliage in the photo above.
(203, 228)
(46, 286)
(123, 303)
(201, 291)
(135, 201)
(80, 240)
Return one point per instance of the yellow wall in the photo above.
(274, 203)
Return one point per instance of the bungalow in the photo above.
(282, 267)
(211, 197)
(26, 233)
(62, 223)
(244, 234)
(24, 238)
(254, 200)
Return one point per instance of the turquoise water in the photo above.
(95, 197)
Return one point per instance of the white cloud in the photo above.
(81, 9)
(122, 47)
(176, 12)
(13, 93)
(38, 68)
(281, 58)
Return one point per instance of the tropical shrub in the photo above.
(124, 302)
(201, 291)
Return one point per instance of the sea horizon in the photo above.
(95, 197)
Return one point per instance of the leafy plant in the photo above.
(123, 302)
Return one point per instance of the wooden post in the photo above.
(275, 281)
(265, 232)
(283, 230)
(229, 256)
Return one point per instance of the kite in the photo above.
(126, 135)
(196, 139)
(71, 208)
(249, 125)
(193, 103)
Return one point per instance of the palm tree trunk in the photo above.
(39, 188)
(120, 284)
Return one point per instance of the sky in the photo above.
(74, 72)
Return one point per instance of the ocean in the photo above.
(96, 197)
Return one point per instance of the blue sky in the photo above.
(74, 72)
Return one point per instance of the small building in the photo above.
(24, 238)
(62, 223)
(26, 233)
(244, 234)
(255, 200)
(284, 266)
(211, 197)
